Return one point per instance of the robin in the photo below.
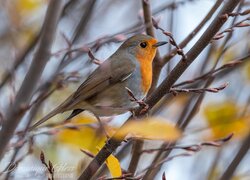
(104, 92)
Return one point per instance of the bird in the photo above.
(104, 92)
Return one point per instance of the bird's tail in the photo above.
(59, 109)
(45, 118)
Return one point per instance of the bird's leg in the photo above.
(132, 110)
(102, 127)
(141, 102)
(143, 105)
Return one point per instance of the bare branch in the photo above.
(93, 58)
(191, 54)
(148, 21)
(19, 60)
(84, 20)
(87, 153)
(171, 39)
(245, 12)
(141, 103)
(230, 64)
(237, 159)
(112, 144)
(199, 90)
(158, 65)
(194, 147)
(190, 150)
(167, 57)
(28, 86)
(150, 31)
(48, 166)
(239, 24)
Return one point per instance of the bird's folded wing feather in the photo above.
(107, 74)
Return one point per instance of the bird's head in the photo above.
(142, 47)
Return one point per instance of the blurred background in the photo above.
(102, 25)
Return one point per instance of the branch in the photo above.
(199, 90)
(237, 159)
(148, 21)
(182, 122)
(158, 66)
(192, 53)
(141, 103)
(231, 64)
(84, 20)
(190, 150)
(204, 40)
(93, 58)
(138, 144)
(194, 32)
(19, 60)
(15, 112)
(245, 12)
(172, 41)
(49, 166)
(126, 176)
(239, 24)
(193, 147)
(148, 17)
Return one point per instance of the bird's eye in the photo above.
(143, 44)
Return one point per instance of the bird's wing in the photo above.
(106, 74)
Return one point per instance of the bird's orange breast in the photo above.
(146, 73)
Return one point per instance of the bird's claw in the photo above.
(144, 106)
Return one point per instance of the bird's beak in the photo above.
(159, 43)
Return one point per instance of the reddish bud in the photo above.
(42, 158)
(245, 12)
(242, 24)
(224, 17)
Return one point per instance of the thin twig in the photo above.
(138, 144)
(84, 20)
(182, 122)
(209, 15)
(15, 112)
(230, 64)
(199, 90)
(172, 41)
(237, 159)
(49, 166)
(112, 143)
(158, 65)
(191, 150)
(239, 24)
(193, 147)
(19, 60)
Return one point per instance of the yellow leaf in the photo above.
(24, 36)
(22, 12)
(28, 5)
(84, 137)
(150, 128)
(223, 119)
(247, 71)
(230, 54)
(220, 113)
(114, 166)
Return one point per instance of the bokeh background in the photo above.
(101, 25)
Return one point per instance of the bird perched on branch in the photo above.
(104, 92)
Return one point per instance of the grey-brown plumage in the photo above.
(104, 91)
